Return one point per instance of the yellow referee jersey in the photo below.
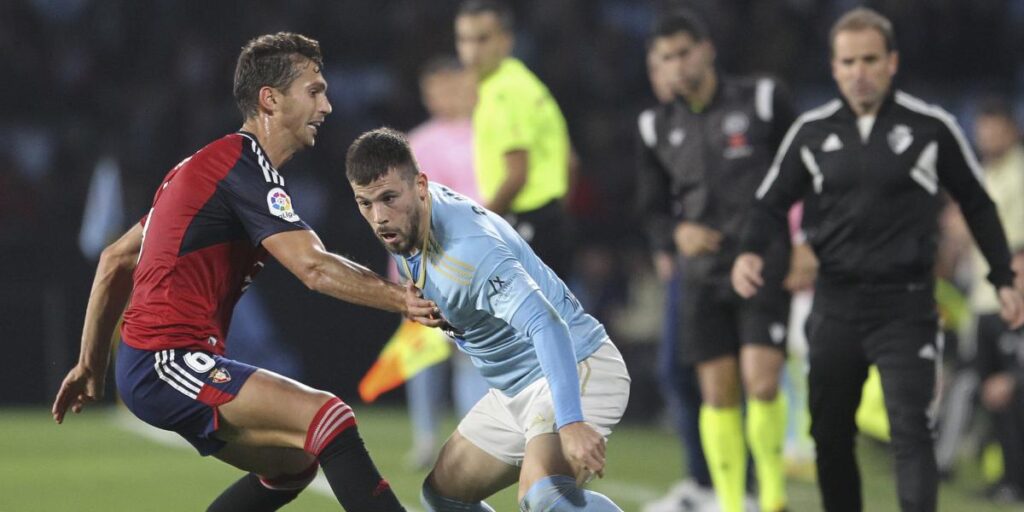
(515, 111)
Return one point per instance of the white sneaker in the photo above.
(683, 496)
(701, 499)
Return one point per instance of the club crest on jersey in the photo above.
(735, 123)
(280, 205)
(220, 376)
(735, 126)
(900, 138)
(676, 136)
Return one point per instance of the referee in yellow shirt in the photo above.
(520, 140)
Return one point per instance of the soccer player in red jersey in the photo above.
(215, 218)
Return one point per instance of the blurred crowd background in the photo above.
(108, 95)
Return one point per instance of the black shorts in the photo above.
(547, 231)
(714, 321)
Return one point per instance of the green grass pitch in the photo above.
(98, 461)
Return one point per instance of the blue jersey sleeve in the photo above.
(264, 207)
(507, 291)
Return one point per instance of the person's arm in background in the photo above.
(517, 162)
(803, 264)
(960, 175)
(111, 289)
(786, 182)
(652, 204)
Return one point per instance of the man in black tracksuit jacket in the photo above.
(868, 168)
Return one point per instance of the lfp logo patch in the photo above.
(280, 205)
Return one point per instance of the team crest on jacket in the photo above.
(735, 126)
(280, 205)
(676, 136)
(220, 376)
(900, 138)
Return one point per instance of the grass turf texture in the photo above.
(97, 461)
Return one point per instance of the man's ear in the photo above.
(421, 185)
(268, 98)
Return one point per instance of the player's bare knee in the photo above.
(291, 478)
(761, 387)
(721, 394)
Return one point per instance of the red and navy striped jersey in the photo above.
(201, 245)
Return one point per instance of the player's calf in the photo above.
(334, 440)
(559, 493)
(434, 502)
(253, 493)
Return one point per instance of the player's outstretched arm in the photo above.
(304, 255)
(111, 289)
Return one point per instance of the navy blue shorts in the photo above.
(179, 390)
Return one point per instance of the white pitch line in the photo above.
(627, 491)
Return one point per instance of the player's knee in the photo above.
(290, 482)
(559, 493)
(761, 387)
(332, 419)
(434, 502)
(720, 396)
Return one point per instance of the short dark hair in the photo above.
(499, 9)
(271, 60)
(375, 153)
(674, 22)
(441, 64)
(996, 106)
(863, 18)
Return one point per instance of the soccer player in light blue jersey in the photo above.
(559, 385)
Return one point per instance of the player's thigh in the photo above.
(467, 473)
(268, 462)
(707, 327)
(271, 410)
(544, 458)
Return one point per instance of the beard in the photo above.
(411, 240)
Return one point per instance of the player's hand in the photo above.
(746, 274)
(694, 239)
(997, 391)
(1012, 307)
(664, 266)
(1017, 264)
(583, 447)
(803, 269)
(81, 386)
(419, 309)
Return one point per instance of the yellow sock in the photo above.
(721, 435)
(766, 433)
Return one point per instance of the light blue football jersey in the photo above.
(479, 272)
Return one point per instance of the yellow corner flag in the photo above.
(410, 350)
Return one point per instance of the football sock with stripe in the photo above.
(721, 434)
(252, 493)
(766, 432)
(334, 439)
